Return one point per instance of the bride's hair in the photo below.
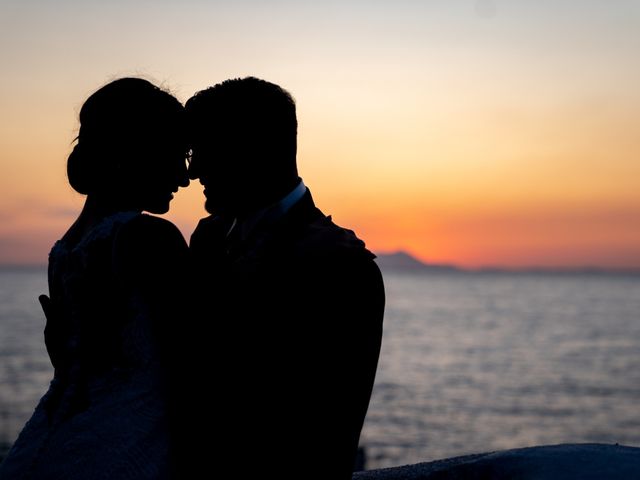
(118, 124)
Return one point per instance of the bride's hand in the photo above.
(54, 337)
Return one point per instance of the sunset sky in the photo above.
(474, 132)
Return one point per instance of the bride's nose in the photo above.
(193, 169)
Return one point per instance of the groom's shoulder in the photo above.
(315, 236)
(208, 221)
(324, 240)
(337, 262)
(210, 226)
(209, 233)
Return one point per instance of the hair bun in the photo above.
(119, 123)
(78, 171)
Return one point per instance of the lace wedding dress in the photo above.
(104, 415)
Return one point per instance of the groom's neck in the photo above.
(260, 198)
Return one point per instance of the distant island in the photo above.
(404, 262)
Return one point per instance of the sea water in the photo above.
(479, 362)
(470, 362)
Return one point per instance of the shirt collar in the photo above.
(270, 213)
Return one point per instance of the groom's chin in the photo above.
(158, 208)
(209, 206)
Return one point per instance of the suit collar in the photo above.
(243, 228)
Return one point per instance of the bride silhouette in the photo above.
(114, 288)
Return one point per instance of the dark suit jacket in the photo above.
(293, 321)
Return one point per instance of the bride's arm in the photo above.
(150, 260)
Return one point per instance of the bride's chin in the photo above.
(159, 204)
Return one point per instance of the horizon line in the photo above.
(445, 266)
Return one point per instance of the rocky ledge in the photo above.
(554, 462)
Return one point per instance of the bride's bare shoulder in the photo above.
(149, 232)
(149, 245)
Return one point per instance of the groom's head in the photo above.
(243, 141)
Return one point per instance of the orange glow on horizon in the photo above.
(504, 141)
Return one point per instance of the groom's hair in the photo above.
(260, 115)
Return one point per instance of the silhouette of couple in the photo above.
(251, 352)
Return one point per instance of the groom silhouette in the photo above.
(289, 304)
